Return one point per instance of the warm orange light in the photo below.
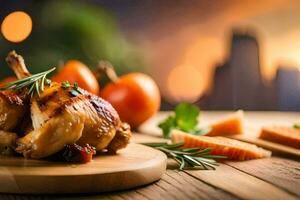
(16, 26)
(185, 83)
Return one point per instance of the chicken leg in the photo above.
(13, 104)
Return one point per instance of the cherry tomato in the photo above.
(7, 80)
(135, 96)
(75, 71)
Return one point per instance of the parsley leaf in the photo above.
(186, 116)
(167, 125)
(185, 119)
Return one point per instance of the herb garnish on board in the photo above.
(185, 119)
(188, 158)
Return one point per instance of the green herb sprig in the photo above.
(296, 126)
(75, 90)
(65, 85)
(188, 158)
(34, 83)
(185, 119)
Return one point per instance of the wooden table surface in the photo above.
(271, 178)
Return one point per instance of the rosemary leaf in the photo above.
(190, 150)
(43, 83)
(154, 144)
(30, 91)
(182, 165)
(37, 88)
(48, 81)
(188, 158)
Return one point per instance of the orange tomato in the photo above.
(7, 80)
(135, 96)
(75, 71)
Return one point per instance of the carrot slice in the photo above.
(232, 149)
(230, 125)
(282, 135)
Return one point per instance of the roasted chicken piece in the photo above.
(63, 114)
(13, 104)
(7, 142)
(52, 136)
(12, 109)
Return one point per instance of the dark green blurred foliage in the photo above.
(65, 30)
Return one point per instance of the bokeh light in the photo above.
(16, 26)
(185, 83)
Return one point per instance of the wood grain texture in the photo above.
(134, 166)
(172, 185)
(270, 178)
(281, 172)
(241, 184)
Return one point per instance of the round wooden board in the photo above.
(133, 166)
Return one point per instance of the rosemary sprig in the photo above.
(188, 158)
(34, 83)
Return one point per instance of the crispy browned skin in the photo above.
(121, 138)
(13, 104)
(7, 142)
(12, 110)
(52, 136)
(87, 119)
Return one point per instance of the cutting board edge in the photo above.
(87, 183)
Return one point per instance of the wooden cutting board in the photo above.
(134, 166)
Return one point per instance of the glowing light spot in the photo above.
(185, 83)
(16, 26)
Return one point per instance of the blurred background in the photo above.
(220, 55)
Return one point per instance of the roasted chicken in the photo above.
(65, 114)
